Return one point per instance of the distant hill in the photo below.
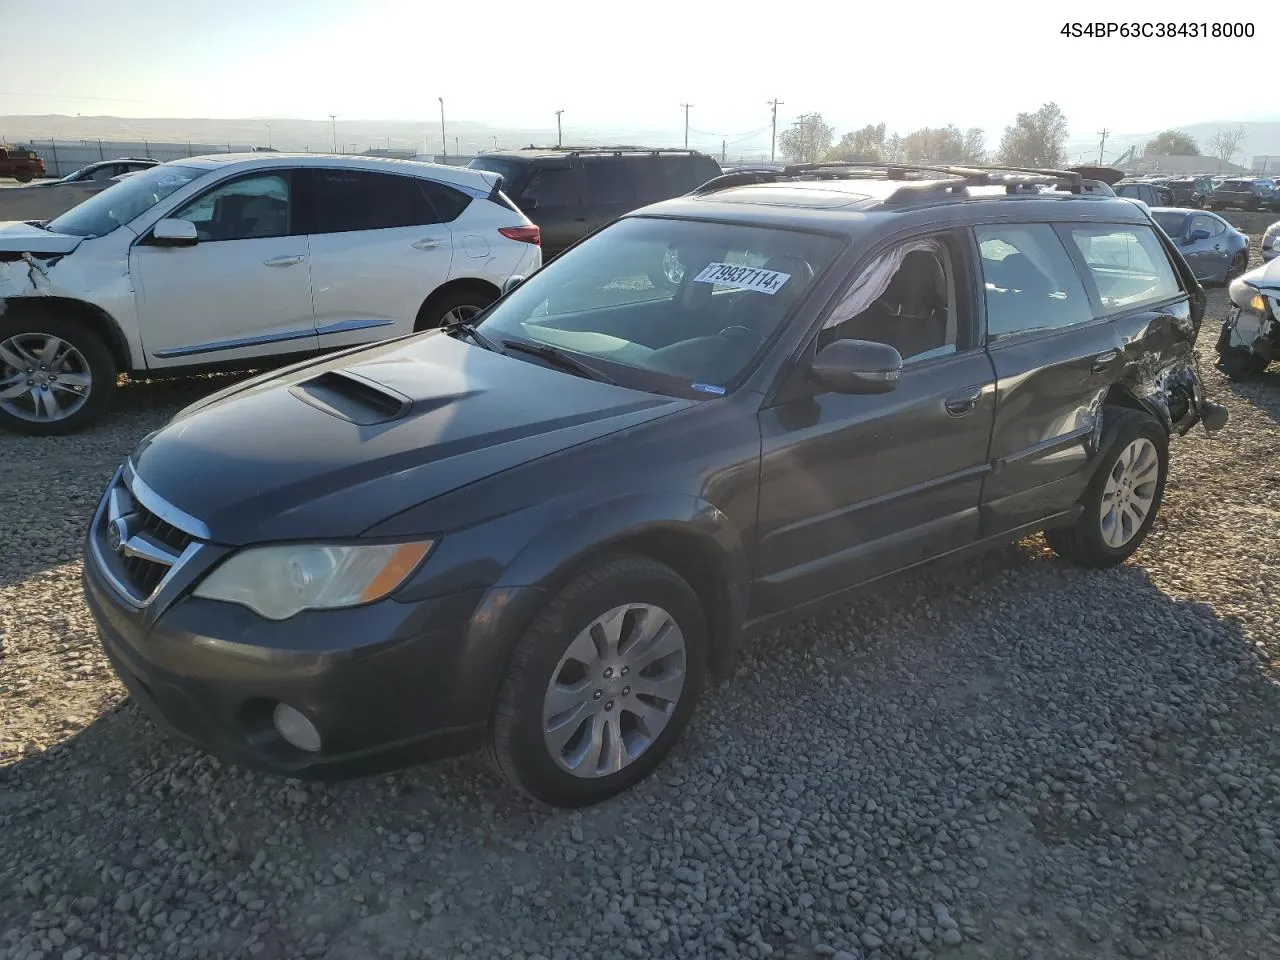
(354, 135)
(1262, 138)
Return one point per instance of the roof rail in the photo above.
(928, 177)
(612, 149)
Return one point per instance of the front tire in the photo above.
(602, 684)
(56, 375)
(1123, 497)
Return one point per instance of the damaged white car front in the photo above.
(1250, 337)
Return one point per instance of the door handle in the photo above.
(958, 404)
(1104, 360)
(426, 243)
(283, 261)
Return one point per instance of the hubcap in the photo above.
(459, 315)
(42, 377)
(1129, 492)
(614, 690)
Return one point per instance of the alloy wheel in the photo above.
(1129, 493)
(43, 378)
(614, 691)
(459, 314)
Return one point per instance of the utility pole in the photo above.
(268, 126)
(773, 143)
(333, 120)
(559, 136)
(686, 123)
(457, 150)
(444, 141)
(495, 143)
(724, 145)
(1102, 146)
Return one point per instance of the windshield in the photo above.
(1171, 223)
(670, 305)
(123, 201)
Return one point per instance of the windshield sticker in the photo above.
(708, 388)
(743, 278)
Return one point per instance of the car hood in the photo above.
(19, 237)
(328, 449)
(1265, 277)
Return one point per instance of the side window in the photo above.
(1128, 264)
(248, 208)
(105, 172)
(1029, 281)
(553, 187)
(1201, 222)
(906, 297)
(351, 200)
(607, 182)
(448, 202)
(1127, 190)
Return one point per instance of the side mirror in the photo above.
(1197, 235)
(511, 283)
(857, 366)
(174, 233)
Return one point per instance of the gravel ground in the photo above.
(1013, 759)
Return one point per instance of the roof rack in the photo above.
(928, 178)
(613, 149)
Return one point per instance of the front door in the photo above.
(242, 291)
(856, 486)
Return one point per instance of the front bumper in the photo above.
(386, 685)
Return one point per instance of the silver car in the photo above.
(1271, 243)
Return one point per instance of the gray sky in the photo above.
(508, 63)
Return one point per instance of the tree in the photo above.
(808, 140)
(944, 145)
(1225, 144)
(865, 144)
(1172, 143)
(1035, 139)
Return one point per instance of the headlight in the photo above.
(278, 582)
(1245, 296)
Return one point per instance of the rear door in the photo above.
(378, 250)
(608, 191)
(1054, 358)
(553, 199)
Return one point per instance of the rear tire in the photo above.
(85, 362)
(23, 175)
(554, 743)
(1132, 469)
(1239, 263)
(461, 304)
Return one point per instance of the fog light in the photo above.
(296, 728)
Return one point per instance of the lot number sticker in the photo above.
(743, 278)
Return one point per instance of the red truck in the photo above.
(20, 163)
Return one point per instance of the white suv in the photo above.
(242, 261)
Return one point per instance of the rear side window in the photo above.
(607, 181)
(1029, 281)
(553, 187)
(1128, 264)
(448, 202)
(349, 200)
(1202, 222)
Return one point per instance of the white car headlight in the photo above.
(278, 582)
(1246, 296)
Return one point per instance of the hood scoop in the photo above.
(351, 397)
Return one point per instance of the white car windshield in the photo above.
(124, 200)
(663, 304)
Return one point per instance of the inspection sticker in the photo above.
(743, 278)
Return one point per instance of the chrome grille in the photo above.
(136, 546)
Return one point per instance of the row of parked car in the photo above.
(1209, 193)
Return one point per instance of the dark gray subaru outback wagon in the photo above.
(537, 533)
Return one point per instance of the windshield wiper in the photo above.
(468, 328)
(561, 358)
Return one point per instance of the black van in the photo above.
(572, 191)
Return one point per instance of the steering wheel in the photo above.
(736, 330)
